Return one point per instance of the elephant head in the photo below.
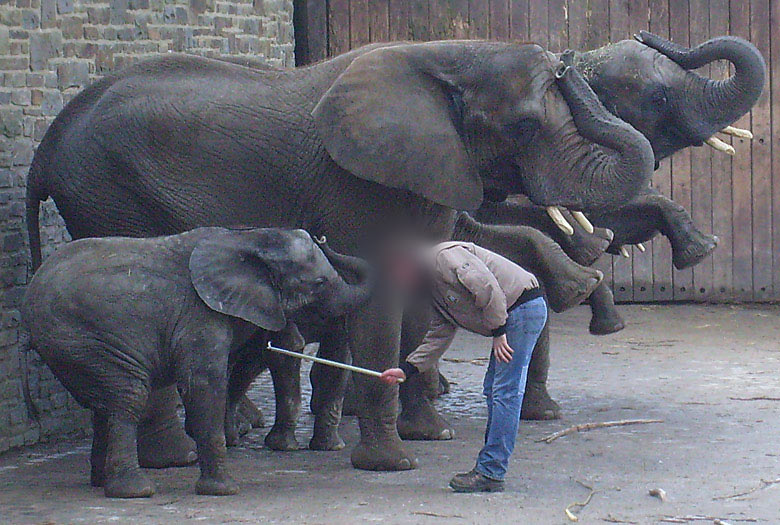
(650, 84)
(263, 274)
(452, 120)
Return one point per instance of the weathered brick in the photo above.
(44, 45)
(73, 74)
(48, 13)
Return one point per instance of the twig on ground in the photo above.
(755, 398)
(435, 515)
(764, 484)
(582, 505)
(611, 519)
(590, 426)
(698, 517)
(476, 361)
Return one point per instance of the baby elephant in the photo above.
(115, 318)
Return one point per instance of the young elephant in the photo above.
(116, 318)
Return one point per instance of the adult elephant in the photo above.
(649, 83)
(383, 138)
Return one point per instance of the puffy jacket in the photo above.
(473, 288)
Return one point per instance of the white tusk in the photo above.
(737, 132)
(624, 252)
(719, 145)
(555, 214)
(641, 247)
(583, 221)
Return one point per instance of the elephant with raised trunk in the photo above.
(382, 139)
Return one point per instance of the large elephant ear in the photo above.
(387, 120)
(230, 274)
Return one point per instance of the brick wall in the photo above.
(49, 50)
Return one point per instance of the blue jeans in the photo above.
(504, 387)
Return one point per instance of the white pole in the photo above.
(327, 362)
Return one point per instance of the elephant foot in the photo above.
(444, 385)
(606, 323)
(129, 484)
(699, 247)
(165, 447)
(350, 404)
(250, 413)
(537, 403)
(96, 477)
(282, 438)
(566, 293)
(326, 437)
(422, 422)
(380, 447)
(216, 486)
(587, 248)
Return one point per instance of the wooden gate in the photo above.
(736, 198)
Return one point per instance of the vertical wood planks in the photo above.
(742, 186)
(519, 17)
(774, 87)
(398, 15)
(378, 21)
(499, 20)
(762, 164)
(722, 219)
(338, 27)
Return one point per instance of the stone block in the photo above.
(64, 6)
(73, 74)
(44, 45)
(48, 13)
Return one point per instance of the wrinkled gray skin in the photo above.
(117, 318)
(396, 136)
(650, 84)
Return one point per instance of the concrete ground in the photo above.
(709, 372)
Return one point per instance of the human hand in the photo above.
(501, 349)
(391, 376)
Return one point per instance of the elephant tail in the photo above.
(35, 195)
(24, 367)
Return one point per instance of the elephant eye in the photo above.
(319, 282)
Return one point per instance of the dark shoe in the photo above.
(475, 482)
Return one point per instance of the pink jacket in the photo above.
(473, 288)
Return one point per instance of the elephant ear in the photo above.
(388, 120)
(230, 274)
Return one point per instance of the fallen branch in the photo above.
(658, 493)
(568, 510)
(435, 515)
(756, 398)
(697, 517)
(590, 426)
(764, 484)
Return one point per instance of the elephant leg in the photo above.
(329, 385)
(250, 412)
(247, 364)
(605, 317)
(419, 420)
(286, 375)
(374, 336)
(162, 442)
(97, 458)
(204, 394)
(123, 477)
(537, 403)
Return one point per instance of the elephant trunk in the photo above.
(609, 179)
(721, 102)
(349, 295)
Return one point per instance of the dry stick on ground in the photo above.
(764, 484)
(590, 426)
(568, 510)
(757, 398)
(687, 519)
(433, 514)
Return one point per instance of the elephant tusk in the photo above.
(719, 145)
(737, 132)
(555, 214)
(641, 247)
(583, 221)
(624, 252)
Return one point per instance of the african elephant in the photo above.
(117, 318)
(384, 139)
(650, 84)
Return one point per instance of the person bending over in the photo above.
(478, 290)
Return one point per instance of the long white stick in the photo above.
(327, 362)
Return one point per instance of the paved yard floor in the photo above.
(709, 372)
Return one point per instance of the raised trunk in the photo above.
(348, 295)
(720, 102)
(600, 179)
